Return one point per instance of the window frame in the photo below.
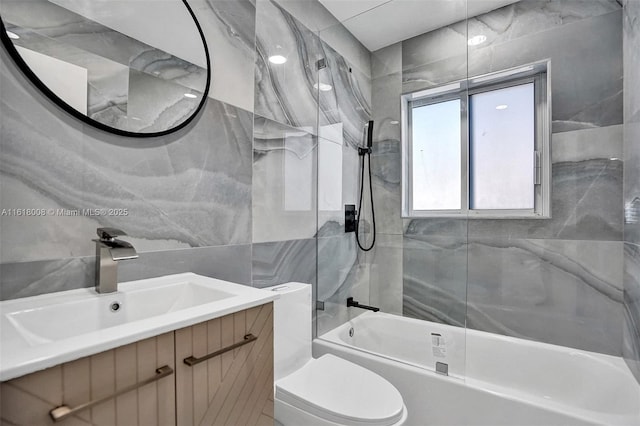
(538, 74)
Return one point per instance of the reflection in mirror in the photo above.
(112, 63)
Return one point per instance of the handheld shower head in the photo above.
(370, 134)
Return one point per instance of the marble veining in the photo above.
(194, 191)
(586, 94)
(586, 205)
(386, 161)
(343, 271)
(348, 101)
(631, 331)
(434, 272)
(560, 292)
(284, 182)
(284, 261)
(230, 30)
(500, 26)
(631, 39)
(23, 279)
(285, 92)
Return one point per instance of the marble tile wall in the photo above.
(631, 192)
(309, 121)
(187, 201)
(519, 276)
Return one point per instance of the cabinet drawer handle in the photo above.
(248, 338)
(62, 412)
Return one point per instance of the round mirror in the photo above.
(132, 67)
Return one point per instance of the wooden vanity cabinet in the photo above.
(232, 388)
(28, 400)
(235, 387)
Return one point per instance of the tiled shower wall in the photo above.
(305, 152)
(631, 336)
(231, 196)
(555, 280)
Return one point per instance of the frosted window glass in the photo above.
(501, 149)
(436, 156)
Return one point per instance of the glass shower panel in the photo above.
(532, 278)
(416, 272)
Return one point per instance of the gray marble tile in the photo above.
(343, 271)
(434, 46)
(312, 14)
(586, 93)
(340, 169)
(561, 292)
(631, 41)
(499, 26)
(586, 204)
(534, 16)
(347, 45)
(285, 92)
(436, 227)
(284, 261)
(631, 329)
(385, 272)
(435, 74)
(434, 273)
(587, 144)
(230, 28)
(284, 182)
(632, 182)
(23, 279)
(40, 147)
(347, 102)
(189, 189)
(386, 161)
(387, 60)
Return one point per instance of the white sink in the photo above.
(43, 331)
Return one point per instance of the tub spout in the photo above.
(351, 302)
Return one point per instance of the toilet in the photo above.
(328, 390)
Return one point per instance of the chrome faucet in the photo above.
(109, 251)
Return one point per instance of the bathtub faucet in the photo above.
(351, 302)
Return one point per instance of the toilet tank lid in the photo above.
(287, 287)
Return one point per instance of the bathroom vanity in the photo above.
(201, 361)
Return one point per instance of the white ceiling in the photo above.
(379, 23)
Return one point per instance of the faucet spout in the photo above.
(109, 251)
(355, 304)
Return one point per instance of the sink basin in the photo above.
(43, 331)
(61, 320)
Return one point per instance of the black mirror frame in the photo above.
(10, 48)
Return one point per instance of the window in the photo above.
(479, 147)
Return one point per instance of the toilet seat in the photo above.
(342, 392)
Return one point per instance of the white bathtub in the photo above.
(502, 381)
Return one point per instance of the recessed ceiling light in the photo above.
(190, 95)
(12, 35)
(277, 59)
(323, 87)
(501, 107)
(394, 122)
(476, 40)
